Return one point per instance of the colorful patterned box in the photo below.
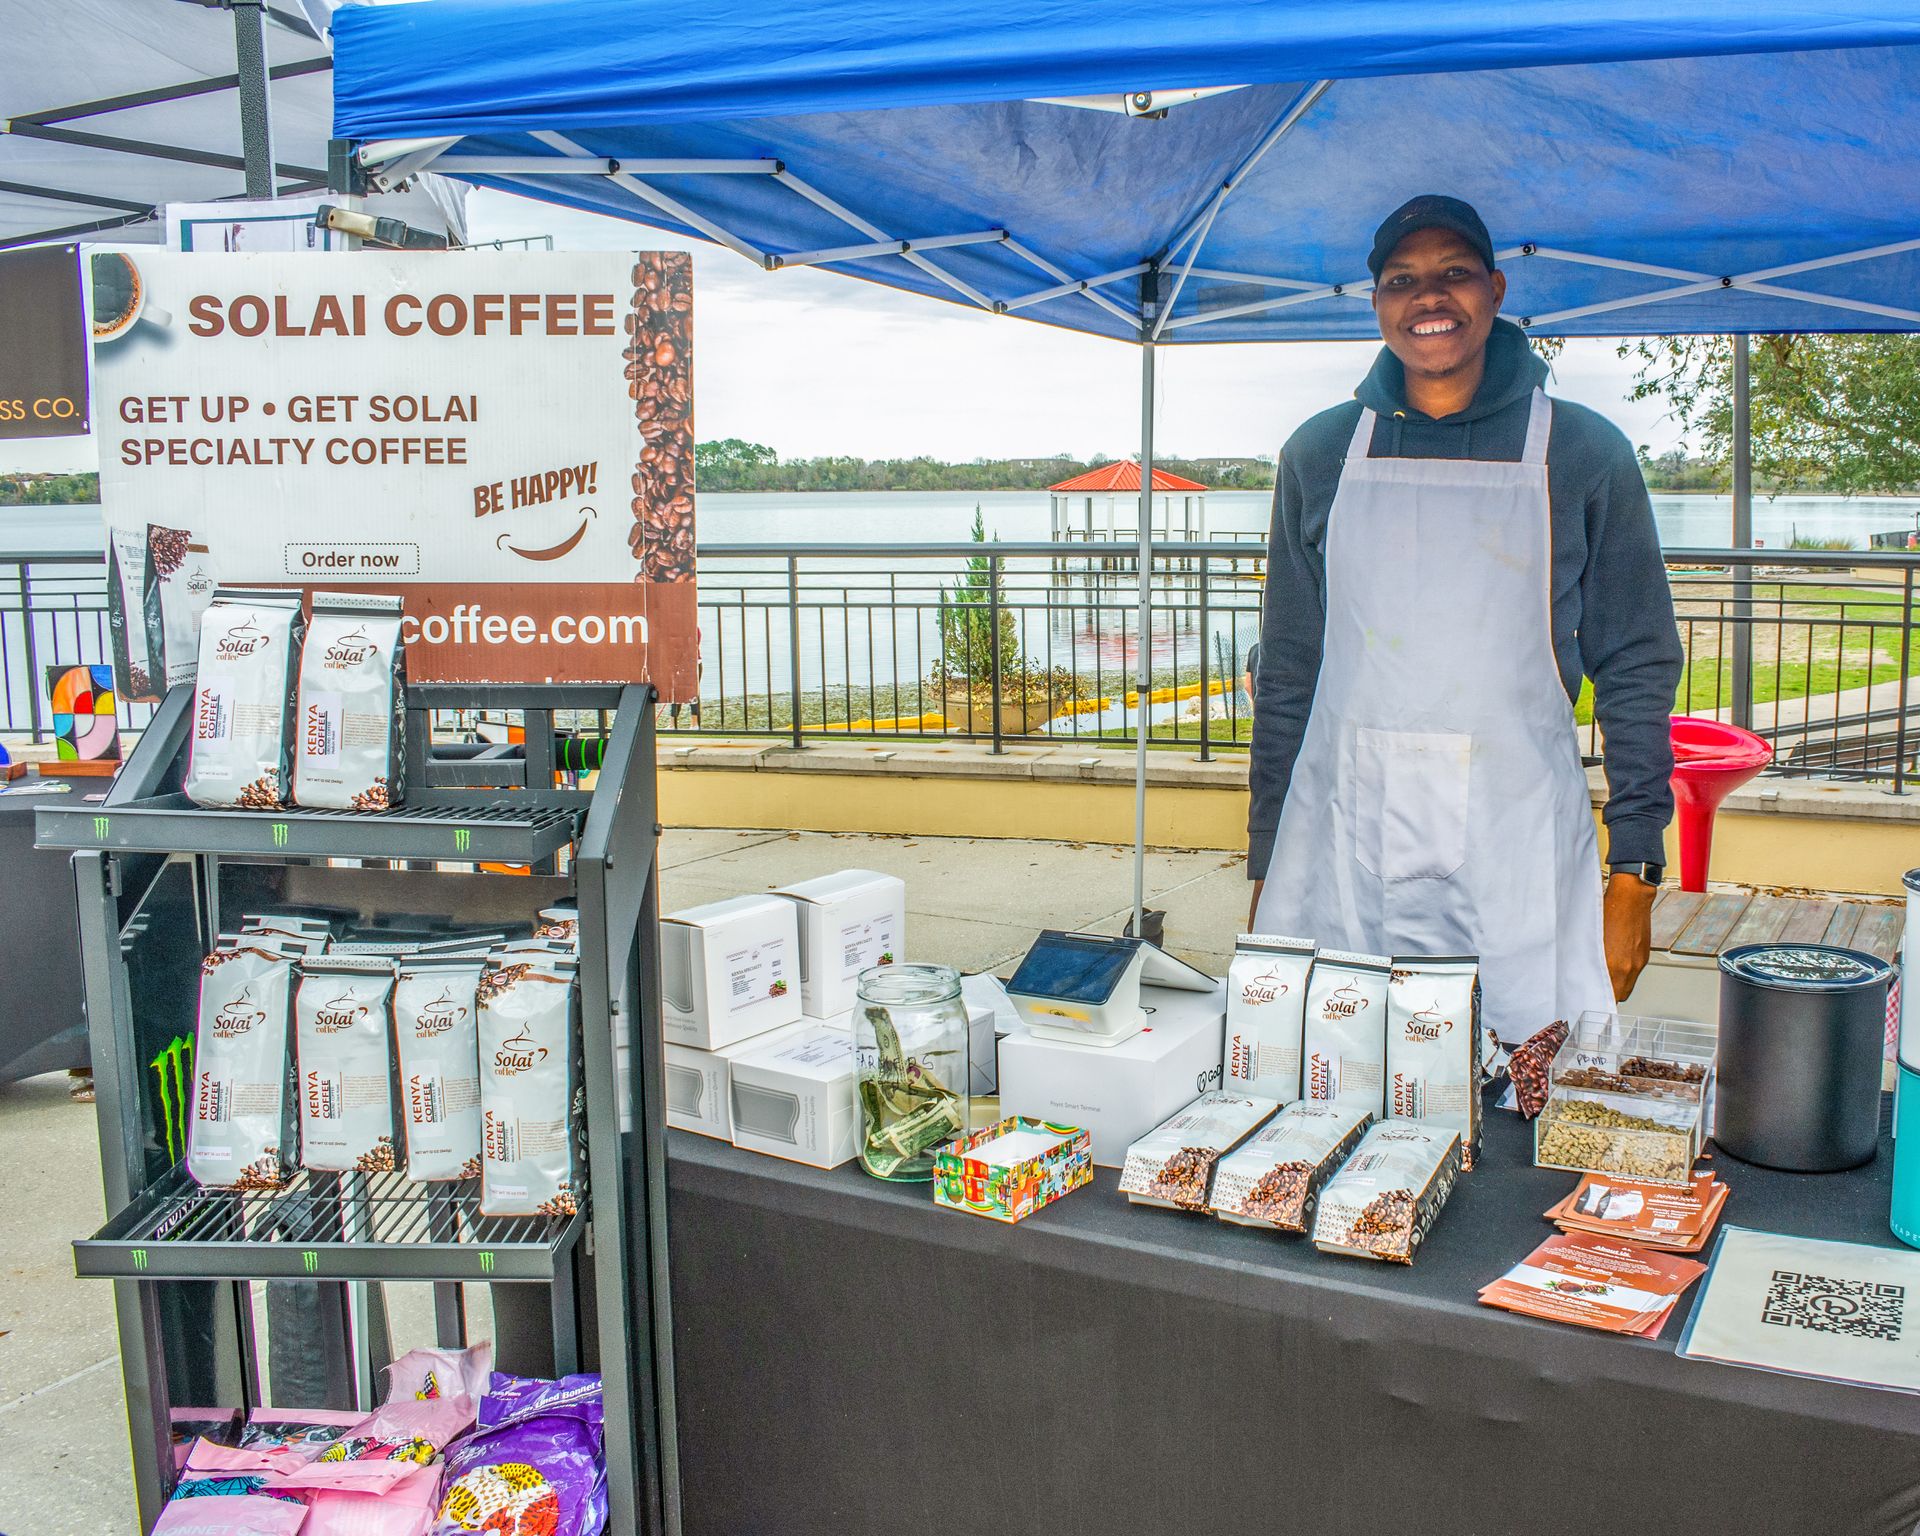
(1011, 1169)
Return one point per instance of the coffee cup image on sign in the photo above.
(120, 298)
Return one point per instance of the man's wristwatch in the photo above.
(1650, 873)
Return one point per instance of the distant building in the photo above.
(1113, 491)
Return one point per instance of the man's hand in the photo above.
(1629, 930)
(1253, 907)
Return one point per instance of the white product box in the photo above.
(699, 1083)
(729, 970)
(848, 921)
(1119, 1092)
(983, 1052)
(795, 1097)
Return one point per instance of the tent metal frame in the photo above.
(46, 124)
(389, 162)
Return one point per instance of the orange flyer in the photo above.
(1652, 1215)
(1594, 1283)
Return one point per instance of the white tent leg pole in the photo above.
(1743, 536)
(1144, 641)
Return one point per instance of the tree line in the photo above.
(48, 490)
(733, 464)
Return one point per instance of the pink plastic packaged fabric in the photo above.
(229, 1515)
(421, 1375)
(386, 1447)
(405, 1509)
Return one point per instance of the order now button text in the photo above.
(369, 559)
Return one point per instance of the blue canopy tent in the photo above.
(1180, 171)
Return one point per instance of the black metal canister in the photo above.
(1802, 1034)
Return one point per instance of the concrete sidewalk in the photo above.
(972, 904)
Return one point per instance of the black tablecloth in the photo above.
(853, 1359)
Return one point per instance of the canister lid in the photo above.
(1805, 967)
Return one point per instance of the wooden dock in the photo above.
(1710, 924)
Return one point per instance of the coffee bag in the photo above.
(560, 925)
(241, 1135)
(1274, 1179)
(1433, 1046)
(342, 1013)
(350, 748)
(1172, 1164)
(436, 1031)
(176, 587)
(527, 1088)
(1346, 1029)
(127, 614)
(1266, 1015)
(240, 751)
(1383, 1201)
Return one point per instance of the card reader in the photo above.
(1085, 987)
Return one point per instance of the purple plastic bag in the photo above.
(537, 1454)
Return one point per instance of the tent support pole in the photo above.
(1143, 640)
(1742, 535)
(256, 115)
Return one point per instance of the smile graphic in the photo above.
(552, 551)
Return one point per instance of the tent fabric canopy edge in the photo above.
(497, 65)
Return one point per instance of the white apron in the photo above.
(1438, 805)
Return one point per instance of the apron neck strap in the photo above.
(1362, 443)
(1539, 428)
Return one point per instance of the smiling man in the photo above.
(1451, 554)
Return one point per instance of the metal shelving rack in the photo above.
(154, 872)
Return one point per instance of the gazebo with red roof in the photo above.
(1113, 481)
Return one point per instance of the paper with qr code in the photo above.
(1839, 1311)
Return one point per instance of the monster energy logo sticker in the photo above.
(462, 839)
(100, 825)
(139, 1258)
(486, 1263)
(309, 1260)
(174, 1067)
(279, 834)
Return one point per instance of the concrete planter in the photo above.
(1018, 716)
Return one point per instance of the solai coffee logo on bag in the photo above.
(238, 1017)
(1427, 1024)
(520, 1054)
(1345, 1001)
(350, 650)
(1265, 988)
(244, 639)
(439, 1016)
(343, 1012)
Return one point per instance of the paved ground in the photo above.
(976, 905)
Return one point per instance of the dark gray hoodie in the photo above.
(1612, 609)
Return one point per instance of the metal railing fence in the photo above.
(1001, 642)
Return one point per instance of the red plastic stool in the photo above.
(1710, 761)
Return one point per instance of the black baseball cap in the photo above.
(1431, 210)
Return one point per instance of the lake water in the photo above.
(910, 517)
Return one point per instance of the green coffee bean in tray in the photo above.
(1603, 1133)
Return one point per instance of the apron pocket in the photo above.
(1410, 811)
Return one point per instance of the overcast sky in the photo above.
(811, 363)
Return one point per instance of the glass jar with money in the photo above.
(910, 1046)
